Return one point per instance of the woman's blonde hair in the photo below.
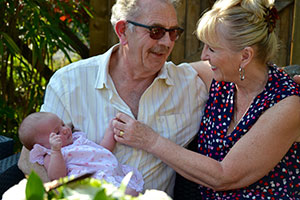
(244, 23)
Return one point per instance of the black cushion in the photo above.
(6, 147)
(10, 174)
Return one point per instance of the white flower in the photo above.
(154, 194)
(17, 192)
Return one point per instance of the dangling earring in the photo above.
(242, 73)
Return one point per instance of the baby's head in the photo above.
(36, 128)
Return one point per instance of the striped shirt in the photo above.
(84, 94)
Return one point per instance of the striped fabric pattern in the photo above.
(83, 93)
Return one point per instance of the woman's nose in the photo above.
(204, 55)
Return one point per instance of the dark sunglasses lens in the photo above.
(175, 34)
(157, 33)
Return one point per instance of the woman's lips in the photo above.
(213, 67)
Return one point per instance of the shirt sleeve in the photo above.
(54, 100)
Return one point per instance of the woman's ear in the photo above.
(247, 55)
(120, 29)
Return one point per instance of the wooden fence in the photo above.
(188, 48)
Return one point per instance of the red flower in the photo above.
(63, 18)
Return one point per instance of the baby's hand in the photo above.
(55, 142)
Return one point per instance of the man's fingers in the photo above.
(118, 125)
(119, 138)
(123, 117)
(121, 133)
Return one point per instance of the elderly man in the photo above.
(133, 77)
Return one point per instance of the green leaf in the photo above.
(101, 195)
(1, 48)
(35, 53)
(10, 42)
(34, 187)
(88, 12)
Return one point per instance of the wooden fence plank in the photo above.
(188, 48)
(284, 31)
(295, 52)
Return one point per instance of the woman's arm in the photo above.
(251, 158)
(204, 72)
(55, 164)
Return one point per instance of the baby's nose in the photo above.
(64, 131)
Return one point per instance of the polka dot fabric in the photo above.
(283, 182)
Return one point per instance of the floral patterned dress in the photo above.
(283, 182)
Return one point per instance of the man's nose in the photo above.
(166, 40)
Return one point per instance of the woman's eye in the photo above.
(211, 49)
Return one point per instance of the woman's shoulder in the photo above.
(281, 83)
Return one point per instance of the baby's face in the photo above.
(63, 131)
(56, 125)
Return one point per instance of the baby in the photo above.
(63, 153)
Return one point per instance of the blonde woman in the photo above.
(248, 143)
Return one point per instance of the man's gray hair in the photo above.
(125, 9)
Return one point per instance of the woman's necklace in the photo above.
(236, 121)
(261, 87)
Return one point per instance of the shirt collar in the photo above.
(103, 63)
(164, 73)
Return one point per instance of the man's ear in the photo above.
(247, 55)
(120, 29)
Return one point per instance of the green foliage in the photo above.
(34, 187)
(31, 32)
(81, 188)
(67, 188)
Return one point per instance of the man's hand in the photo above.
(297, 79)
(134, 133)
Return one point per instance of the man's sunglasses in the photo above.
(157, 32)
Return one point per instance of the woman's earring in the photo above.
(242, 73)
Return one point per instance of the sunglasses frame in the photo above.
(178, 30)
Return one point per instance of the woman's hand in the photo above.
(133, 133)
(297, 79)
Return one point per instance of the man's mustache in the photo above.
(161, 49)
